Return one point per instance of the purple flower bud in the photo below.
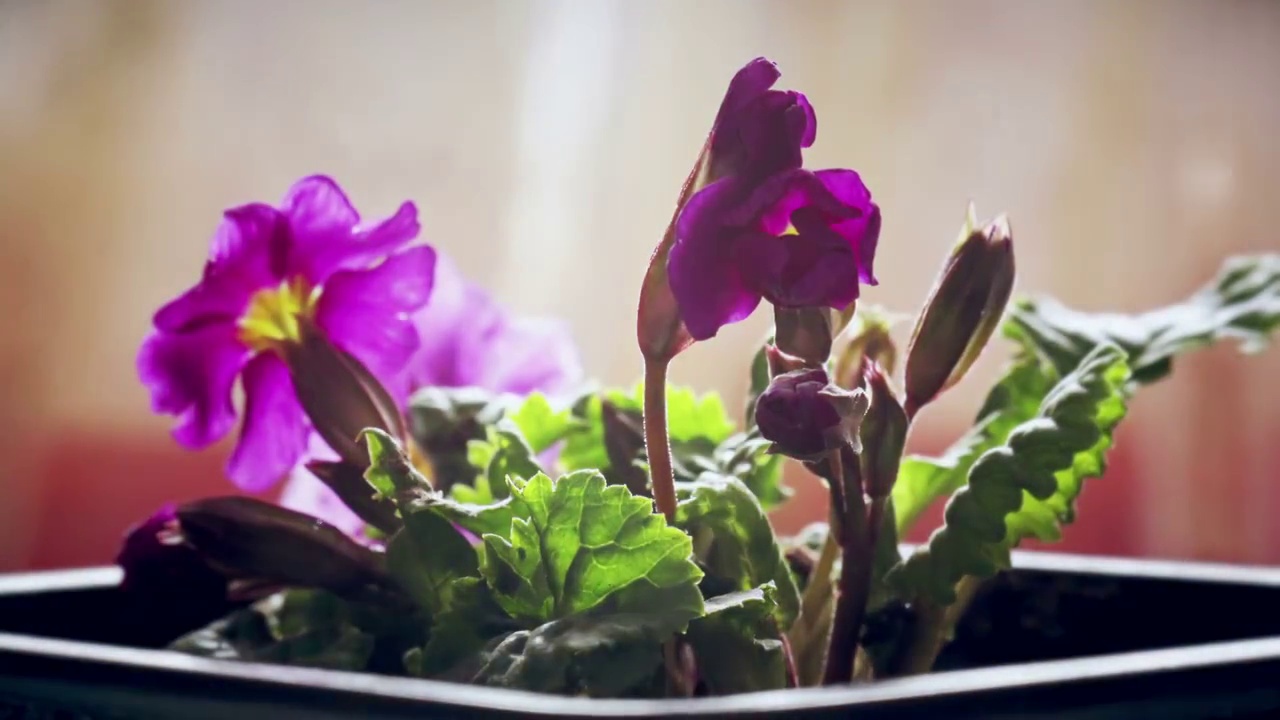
(339, 395)
(883, 433)
(964, 308)
(155, 560)
(804, 416)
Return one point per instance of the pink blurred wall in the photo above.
(1134, 145)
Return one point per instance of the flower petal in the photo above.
(326, 232)
(524, 355)
(706, 284)
(191, 374)
(813, 268)
(274, 435)
(366, 312)
(245, 256)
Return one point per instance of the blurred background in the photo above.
(1133, 143)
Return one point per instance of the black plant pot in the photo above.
(1060, 636)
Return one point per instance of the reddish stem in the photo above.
(657, 444)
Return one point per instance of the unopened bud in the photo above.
(623, 442)
(963, 310)
(884, 434)
(339, 394)
(805, 417)
(252, 539)
(866, 337)
(804, 333)
(348, 483)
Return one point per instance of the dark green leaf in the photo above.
(469, 621)
(1039, 469)
(743, 456)
(613, 655)
(427, 556)
(737, 644)
(1242, 302)
(744, 550)
(577, 544)
(306, 628)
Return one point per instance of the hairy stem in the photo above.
(657, 443)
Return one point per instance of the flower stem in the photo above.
(855, 576)
(657, 443)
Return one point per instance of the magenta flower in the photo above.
(269, 271)
(468, 340)
(764, 227)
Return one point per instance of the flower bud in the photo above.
(866, 336)
(660, 329)
(252, 539)
(883, 433)
(964, 308)
(340, 396)
(804, 333)
(804, 416)
(623, 442)
(348, 483)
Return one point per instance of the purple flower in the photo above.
(270, 270)
(764, 227)
(468, 340)
(804, 416)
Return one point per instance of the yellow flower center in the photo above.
(272, 317)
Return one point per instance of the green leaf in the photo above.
(506, 453)
(737, 643)
(1014, 399)
(305, 628)
(468, 622)
(744, 549)
(390, 471)
(743, 456)
(541, 424)
(615, 655)
(1242, 302)
(1025, 487)
(698, 422)
(759, 380)
(578, 544)
(427, 556)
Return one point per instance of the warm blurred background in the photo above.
(1133, 143)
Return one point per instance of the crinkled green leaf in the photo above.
(1014, 399)
(541, 424)
(1242, 302)
(696, 422)
(470, 620)
(506, 453)
(743, 456)
(1028, 485)
(737, 643)
(578, 544)
(614, 655)
(744, 550)
(427, 556)
(306, 628)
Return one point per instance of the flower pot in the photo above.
(1060, 636)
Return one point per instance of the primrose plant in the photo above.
(463, 507)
